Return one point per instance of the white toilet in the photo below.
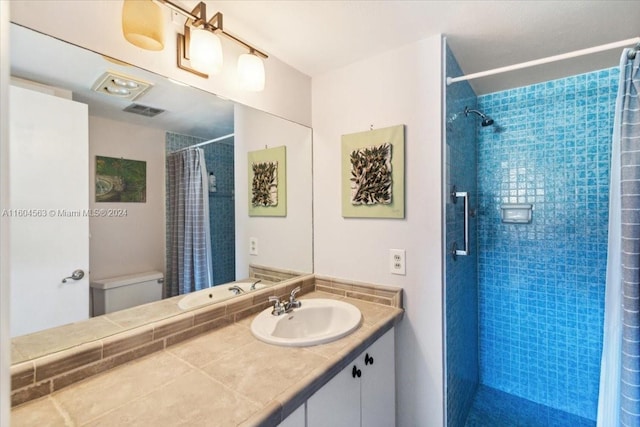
(117, 293)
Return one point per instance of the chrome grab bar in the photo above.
(454, 197)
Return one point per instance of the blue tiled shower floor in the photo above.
(494, 408)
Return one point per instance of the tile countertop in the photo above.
(225, 376)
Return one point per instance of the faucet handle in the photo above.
(293, 302)
(278, 307)
(274, 299)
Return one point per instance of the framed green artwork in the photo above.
(373, 173)
(268, 182)
(121, 180)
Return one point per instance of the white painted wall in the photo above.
(96, 25)
(283, 242)
(5, 337)
(134, 243)
(402, 86)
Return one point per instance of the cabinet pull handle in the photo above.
(368, 360)
(356, 372)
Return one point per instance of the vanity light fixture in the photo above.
(251, 72)
(199, 49)
(205, 51)
(142, 24)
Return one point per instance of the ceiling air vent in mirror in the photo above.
(143, 110)
(119, 85)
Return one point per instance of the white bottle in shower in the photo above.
(212, 183)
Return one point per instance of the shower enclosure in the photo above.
(219, 159)
(524, 308)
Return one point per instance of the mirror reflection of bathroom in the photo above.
(124, 229)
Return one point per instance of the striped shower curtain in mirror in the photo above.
(619, 401)
(189, 261)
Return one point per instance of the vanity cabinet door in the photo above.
(362, 394)
(337, 404)
(378, 383)
(295, 419)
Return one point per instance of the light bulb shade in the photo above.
(205, 51)
(142, 24)
(251, 72)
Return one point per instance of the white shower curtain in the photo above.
(619, 397)
(189, 260)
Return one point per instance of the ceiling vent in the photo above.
(120, 86)
(143, 110)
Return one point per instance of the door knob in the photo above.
(76, 275)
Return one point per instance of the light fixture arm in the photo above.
(198, 18)
(183, 53)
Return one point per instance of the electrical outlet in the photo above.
(397, 262)
(253, 246)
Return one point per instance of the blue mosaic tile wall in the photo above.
(461, 284)
(541, 285)
(494, 408)
(219, 160)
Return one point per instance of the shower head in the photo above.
(486, 121)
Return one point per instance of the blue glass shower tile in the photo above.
(541, 285)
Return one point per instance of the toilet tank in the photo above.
(117, 293)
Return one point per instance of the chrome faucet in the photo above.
(293, 302)
(282, 307)
(278, 306)
(237, 290)
(253, 285)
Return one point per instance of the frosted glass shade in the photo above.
(142, 24)
(205, 51)
(251, 72)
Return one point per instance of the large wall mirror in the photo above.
(126, 234)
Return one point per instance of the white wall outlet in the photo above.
(253, 246)
(397, 262)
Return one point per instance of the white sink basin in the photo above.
(214, 294)
(317, 321)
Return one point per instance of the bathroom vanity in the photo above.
(228, 376)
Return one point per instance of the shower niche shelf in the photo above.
(516, 213)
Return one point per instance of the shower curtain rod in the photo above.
(211, 141)
(541, 61)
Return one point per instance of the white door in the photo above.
(49, 201)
